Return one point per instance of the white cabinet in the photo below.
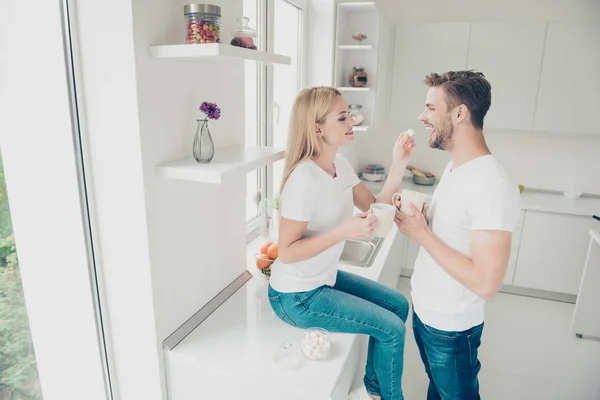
(394, 262)
(412, 250)
(570, 81)
(552, 251)
(510, 56)
(420, 49)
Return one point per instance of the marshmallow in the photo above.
(315, 345)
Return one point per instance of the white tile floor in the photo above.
(527, 353)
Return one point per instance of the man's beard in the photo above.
(443, 136)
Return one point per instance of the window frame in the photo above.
(265, 98)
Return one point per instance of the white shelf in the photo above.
(215, 52)
(227, 162)
(364, 47)
(361, 128)
(353, 89)
(359, 5)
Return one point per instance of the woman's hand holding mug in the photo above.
(360, 226)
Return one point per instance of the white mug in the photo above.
(410, 196)
(385, 214)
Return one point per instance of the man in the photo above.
(465, 238)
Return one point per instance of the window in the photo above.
(18, 370)
(49, 211)
(254, 105)
(280, 26)
(288, 39)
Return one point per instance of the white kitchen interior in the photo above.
(184, 310)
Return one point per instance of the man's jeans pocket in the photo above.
(474, 341)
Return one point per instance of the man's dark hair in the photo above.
(465, 87)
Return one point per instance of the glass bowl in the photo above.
(263, 263)
(315, 344)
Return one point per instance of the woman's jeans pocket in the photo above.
(278, 309)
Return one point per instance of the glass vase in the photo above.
(204, 148)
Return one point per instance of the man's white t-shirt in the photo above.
(312, 195)
(478, 195)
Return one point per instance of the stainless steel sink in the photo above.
(360, 253)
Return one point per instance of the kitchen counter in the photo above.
(530, 199)
(559, 204)
(230, 355)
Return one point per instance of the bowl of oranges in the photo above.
(264, 260)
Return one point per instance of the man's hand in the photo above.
(415, 226)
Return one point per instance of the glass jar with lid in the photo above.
(355, 111)
(358, 77)
(243, 35)
(203, 23)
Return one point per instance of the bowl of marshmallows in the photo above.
(315, 344)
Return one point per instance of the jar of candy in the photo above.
(243, 36)
(355, 111)
(358, 77)
(203, 23)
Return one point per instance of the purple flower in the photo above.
(211, 110)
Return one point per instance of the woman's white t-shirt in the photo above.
(312, 195)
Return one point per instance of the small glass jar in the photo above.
(243, 36)
(355, 111)
(315, 344)
(358, 77)
(203, 23)
(286, 356)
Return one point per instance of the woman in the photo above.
(319, 190)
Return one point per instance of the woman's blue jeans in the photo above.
(356, 305)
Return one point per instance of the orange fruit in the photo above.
(273, 251)
(263, 262)
(265, 247)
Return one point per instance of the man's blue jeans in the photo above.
(450, 360)
(356, 305)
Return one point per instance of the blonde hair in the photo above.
(311, 107)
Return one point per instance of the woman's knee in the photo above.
(392, 330)
(401, 306)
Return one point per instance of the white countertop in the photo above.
(530, 200)
(559, 204)
(238, 341)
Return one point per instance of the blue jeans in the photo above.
(450, 360)
(356, 305)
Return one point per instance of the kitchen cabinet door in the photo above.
(509, 276)
(394, 262)
(412, 250)
(420, 49)
(570, 82)
(510, 56)
(552, 251)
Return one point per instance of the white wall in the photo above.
(165, 247)
(490, 10)
(537, 160)
(319, 46)
(111, 129)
